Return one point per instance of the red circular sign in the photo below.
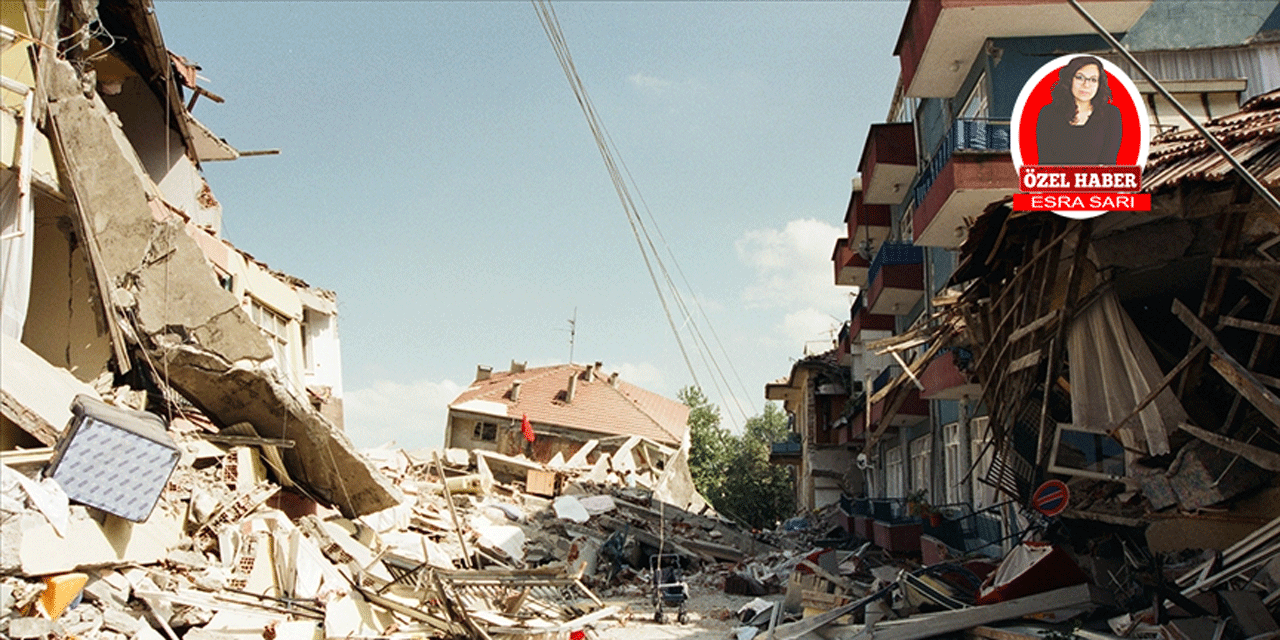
(1051, 498)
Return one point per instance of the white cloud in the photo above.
(651, 84)
(810, 327)
(413, 414)
(792, 265)
(644, 375)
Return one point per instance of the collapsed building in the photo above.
(114, 267)
(991, 350)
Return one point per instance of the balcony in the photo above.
(844, 346)
(867, 223)
(971, 168)
(913, 410)
(863, 320)
(943, 379)
(896, 279)
(940, 39)
(856, 429)
(888, 163)
(850, 268)
(786, 452)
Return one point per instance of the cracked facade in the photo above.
(114, 268)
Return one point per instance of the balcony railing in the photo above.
(789, 447)
(966, 134)
(894, 253)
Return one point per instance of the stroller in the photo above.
(669, 587)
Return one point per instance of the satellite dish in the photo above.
(863, 462)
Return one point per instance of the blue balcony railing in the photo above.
(967, 134)
(789, 447)
(892, 253)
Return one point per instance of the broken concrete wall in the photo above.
(65, 317)
(143, 119)
(176, 309)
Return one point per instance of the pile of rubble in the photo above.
(137, 527)
(228, 545)
(1038, 589)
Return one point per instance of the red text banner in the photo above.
(1079, 179)
(1082, 202)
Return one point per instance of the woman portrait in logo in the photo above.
(1080, 126)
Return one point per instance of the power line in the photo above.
(644, 240)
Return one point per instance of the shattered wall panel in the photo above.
(159, 274)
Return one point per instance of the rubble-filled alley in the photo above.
(1031, 427)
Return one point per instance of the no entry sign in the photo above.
(1051, 498)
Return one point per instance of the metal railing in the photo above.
(966, 134)
(894, 253)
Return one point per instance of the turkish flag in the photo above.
(526, 428)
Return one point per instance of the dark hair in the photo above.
(1064, 104)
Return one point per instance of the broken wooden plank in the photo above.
(1241, 323)
(927, 626)
(1029, 360)
(448, 496)
(248, 440)
(1237, 375)
(1247, 385)
(21, 457)
(1246, 264)
(1268, 460)
(1038, 323)
(830, 577)
(793, 630)
(1155, 391)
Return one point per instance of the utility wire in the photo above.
(640, 230)
(551, 25)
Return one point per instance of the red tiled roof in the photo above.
(597, 406)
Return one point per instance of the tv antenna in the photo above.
(573, 331)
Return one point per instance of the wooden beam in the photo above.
(1038, 323)
(1246, 264)
(1155, 391)
(1240, 323)
(928, 626)
(1058, 345)
(1268, 460)
(448, 497)
(1247, 385)
(1029, 360)
(248, 440)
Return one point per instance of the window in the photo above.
(486, 431)
(955, 467)
(984, 495)
(976, 105)
(921, 452)
(893, 487)
(225, 280)
(275, 325)
(1083, 453)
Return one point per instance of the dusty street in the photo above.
(711, 617)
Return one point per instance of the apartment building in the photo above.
(925, 417)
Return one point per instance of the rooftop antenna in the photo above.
(573, 331)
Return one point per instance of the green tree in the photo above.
(733, 471)
(758, 492)
(707, 442)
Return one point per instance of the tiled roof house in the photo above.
(566, 405)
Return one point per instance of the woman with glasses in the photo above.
(1080, 126)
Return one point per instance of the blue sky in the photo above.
(437, 173)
